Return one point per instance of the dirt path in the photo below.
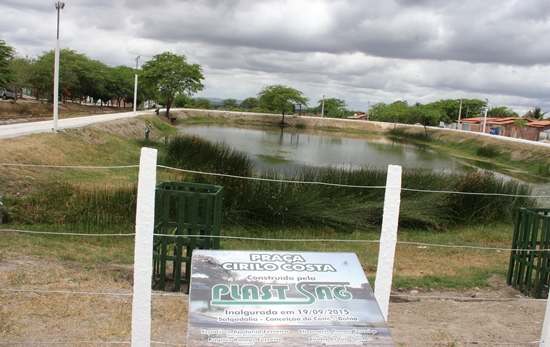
(44, 300)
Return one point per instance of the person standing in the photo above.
(147, 130)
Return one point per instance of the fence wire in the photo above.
(400, 296)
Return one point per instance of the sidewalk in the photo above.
(22, 129)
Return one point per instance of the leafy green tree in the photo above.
(334, 108)
(6, 55)
(536, 113)
(121, 84)
(450, 108)
(250, 104)
(203, 104)
(425, 115)
(93, 81)
(21, 68)
(182, 100)
(41, 79)
(501, 112)
(72, 68)
(395, 112)
(281, 99)
(171, 74)
(230, 104)
(473, 108)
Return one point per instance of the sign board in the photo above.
(259, 298)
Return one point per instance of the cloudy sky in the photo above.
(361, 51)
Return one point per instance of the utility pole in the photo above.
(323, 107)
(485, 119)
(58, 6)
(459, 112)
(136, 86)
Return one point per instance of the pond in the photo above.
(289, 149)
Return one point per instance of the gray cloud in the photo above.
(357, 50)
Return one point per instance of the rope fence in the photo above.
(156, 294)
(273, 179)
(225, 237)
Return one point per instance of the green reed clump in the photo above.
(460, 198)
(193, 151)
(489, 151)
(305, 201)
(76, 207)
(544, 170)
(340, 199)
(483, 197)
(403, 133)
(344, 199)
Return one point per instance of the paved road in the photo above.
(21, 129)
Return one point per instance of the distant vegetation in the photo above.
(84, 79)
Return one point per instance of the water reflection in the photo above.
(288, 149)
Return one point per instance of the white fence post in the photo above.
(143, 252)
(388, 239)
(545, 336)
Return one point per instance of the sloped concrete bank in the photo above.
(275, 119)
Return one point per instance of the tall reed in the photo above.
(340, 199)
(76, 208)
(344, 199)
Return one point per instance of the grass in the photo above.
(526, 162)
(88, 201)
(344, 204)
(270, 159)
(415, 265)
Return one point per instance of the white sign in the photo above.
(258, 298)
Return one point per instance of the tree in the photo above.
(72, 69)
(395, 112)
(203, 104)
(501, 112)
(536, 113)
(170, 74)
(21, 68)
(249, 104)
(182, 100)
(425, 115)
(281, 99)
(230, 104)
(122, 84)
(95, 81)
(6, 55)
(334, 108)
(41, 79)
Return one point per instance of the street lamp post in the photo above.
(459, 114)
(135, 86)
(58, 6)
(485, 118)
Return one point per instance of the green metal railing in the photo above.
(530, 259)
(187, 217)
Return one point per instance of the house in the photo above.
(529, 129)
(364, 116)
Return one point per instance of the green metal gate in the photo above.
(530, 259)
(187, 216)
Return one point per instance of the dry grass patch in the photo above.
(45, 300)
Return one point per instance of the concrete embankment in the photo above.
(275, 119)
